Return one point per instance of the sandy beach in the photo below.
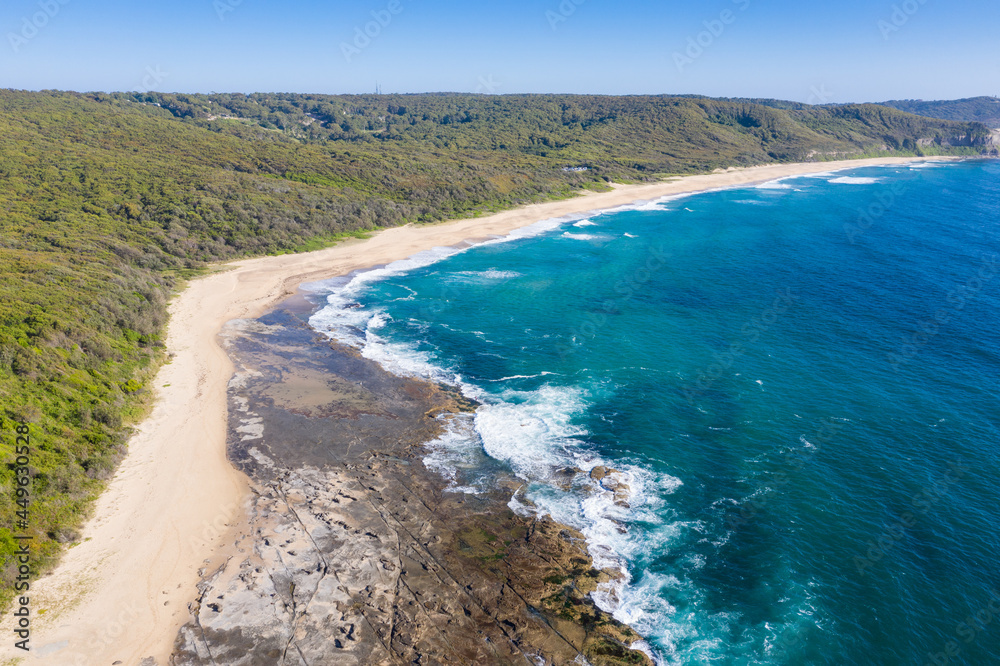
(121, 594)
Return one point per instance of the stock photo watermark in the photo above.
(819, 95)
(152, 79)
(968, 632)
(751, 332)
(211, 530)
(901, 15)
(920, 505)
(370, 31)
(563, 12)
(958, 299)
(32, 25)
(796, 460)
(627, 288)
(22, 560)
(488, 85)
(115, 629)
(876, 210)
(699, 43)
(223, 7)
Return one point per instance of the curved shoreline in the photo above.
(358, 552)
(122, 592)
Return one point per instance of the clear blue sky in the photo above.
(842, 51)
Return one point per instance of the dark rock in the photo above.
(357, 554)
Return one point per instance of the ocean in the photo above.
(773, 409)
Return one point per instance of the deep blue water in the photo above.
(799, 383)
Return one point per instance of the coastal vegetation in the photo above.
(111, 201)
(984, 110)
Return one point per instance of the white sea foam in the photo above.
(644, 603)
(657, 204)
(537, 434)
(585, 223)
(854, 180)
(346, 320)
(482, 336)
(403, 359)
(532, 431)
(521, 508)
(644, 606)
(540, 374)
(457, 449)
(412, 297)
(585, 237)
(774, 185)
(342, 292)
(653, 205)
(530, 231)
(491, 274)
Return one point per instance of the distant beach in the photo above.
(176, 503)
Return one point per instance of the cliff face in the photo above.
(991, 144)
(987, 140)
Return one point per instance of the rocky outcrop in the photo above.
(357, 554)
(612, 481)
(991, 144)
(366, 565)
(988, 142)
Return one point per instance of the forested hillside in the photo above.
(622, 137)
(108, 202)
(984, 110)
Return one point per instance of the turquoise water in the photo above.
(798, 382)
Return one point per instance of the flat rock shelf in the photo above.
(356, 553)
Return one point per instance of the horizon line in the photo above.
(481, 94)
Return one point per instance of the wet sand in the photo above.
(176, 505)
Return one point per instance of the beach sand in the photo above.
(174, 506)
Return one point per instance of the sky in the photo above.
(816, 52)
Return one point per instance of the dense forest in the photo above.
(984, 110)
(622, 137)
(110, 201)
